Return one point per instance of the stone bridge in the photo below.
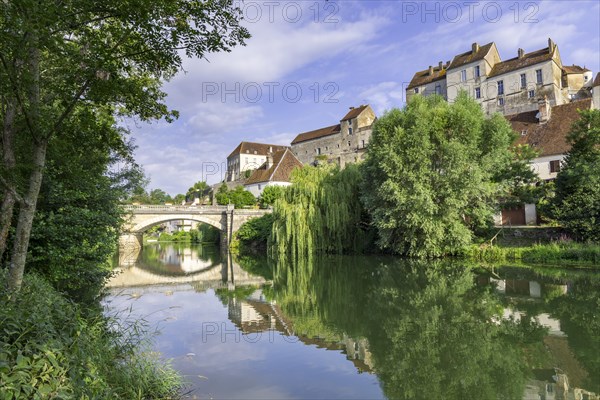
(226, 219)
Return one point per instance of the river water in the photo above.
(364, 327)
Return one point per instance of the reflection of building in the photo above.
(254, 315)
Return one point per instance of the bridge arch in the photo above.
(143, 226)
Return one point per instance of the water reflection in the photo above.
(373, 327)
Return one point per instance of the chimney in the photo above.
(521, 53)
(551, 46)
(430, 70)
(352, 108)
(441, 65)
(270, 149)
(474, 48)
(269, 160)
(544, 110)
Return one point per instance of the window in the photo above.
(477, 93)
(524, 132)
(538, 76)
(500, 101)
(259, 187)
(523, 81)
(531, 94)
(363, 143)
(348, 143)
(318, 150)
(477, 71)
(416, 90)
(438, 89)
(463, 75)
(500, 88)
(554, 166)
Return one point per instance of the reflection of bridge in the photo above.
(225, 218)
(226, 274)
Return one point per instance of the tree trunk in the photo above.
(8, 157)
(26, 214)
(28, 202)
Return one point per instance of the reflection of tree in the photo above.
(579, 319)
(429, 328)
(158, 258)
(432, 336)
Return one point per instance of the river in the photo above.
(364, 327)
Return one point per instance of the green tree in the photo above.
(319, 212)
(240, 197)
(432, 174)
(576, 204)
(222, 195)
(55, 57)
(200, 189)
(178, 199)
(159, 196)
(270, 194)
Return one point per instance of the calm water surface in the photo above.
(364, 327)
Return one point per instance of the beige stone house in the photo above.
(247, 157)
(342, 143)
(511, 86)
(275, 171)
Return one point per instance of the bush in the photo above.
(256, 231)
(52, 348)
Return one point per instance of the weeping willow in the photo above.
(319, 213)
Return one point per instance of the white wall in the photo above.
(541, 166)
(257, 188)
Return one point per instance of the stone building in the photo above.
(247, 157)
(342, 143)
(275, 171)
(509, 87)
(596, 91)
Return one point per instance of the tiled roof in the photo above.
(422, 77)
(574, 69)
(330, 130)
(261, 149)
(469, 57)
(284, 163)
(549, 138)
(528, 59)
(597, 80)
(354, 112)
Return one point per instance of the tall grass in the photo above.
(567, 254)
(51, 348)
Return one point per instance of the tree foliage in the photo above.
(270, 194)
(319, 212)
(576, 203)
(239, 196)
(433, 174)
(58, 56)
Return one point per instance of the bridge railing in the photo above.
(154, 208)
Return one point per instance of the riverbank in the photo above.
(568, 254)
(51, 347)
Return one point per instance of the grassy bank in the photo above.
(562, 254)
(51, 348)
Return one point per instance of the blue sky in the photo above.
(309, 61)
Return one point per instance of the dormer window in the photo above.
(524, 132)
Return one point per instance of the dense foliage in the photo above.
(257, 231)
(319, 212)
(51, 349)
(203, 234)
(433, 174)
(576, 203)
(269, 195)
(239, 196)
